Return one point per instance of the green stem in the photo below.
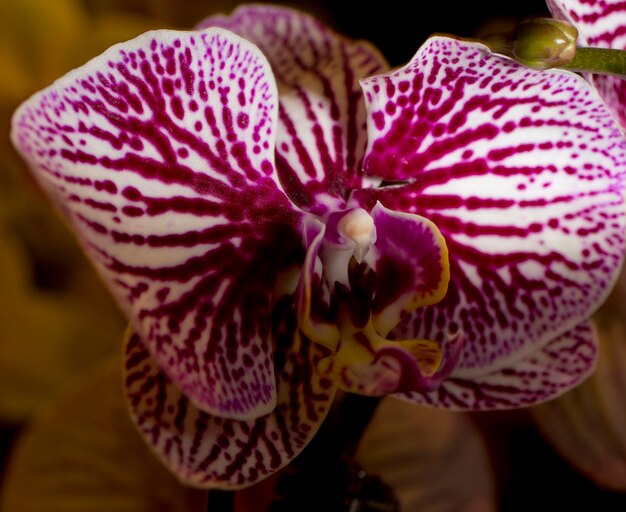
(546, 43)
(602, 61)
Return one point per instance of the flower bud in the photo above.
(544, 43)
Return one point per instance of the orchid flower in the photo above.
(277, 227)
(599, 24)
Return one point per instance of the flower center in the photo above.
(358, 227)
(363, 273)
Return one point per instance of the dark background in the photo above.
(398, 28)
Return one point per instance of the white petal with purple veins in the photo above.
(160, 153)
(321, 137)
(523, 172)
(562, 364)
(586, 425)
(601, 24)
(209, 451)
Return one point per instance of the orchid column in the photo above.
(277, 227)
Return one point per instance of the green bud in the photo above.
(544, 43)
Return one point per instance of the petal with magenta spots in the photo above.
(522, 171)
(321, 132)
(160, 154)
(562, 364)
(212, 452)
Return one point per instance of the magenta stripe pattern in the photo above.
(543, 375)
(523, 173)
(321, 134)
(161, 154)
(209, 451)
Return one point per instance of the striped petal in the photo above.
(547, 373)
(160, 154)
(586, 425)
(522, 172)
(321, 137)
(600, 24)
(212, 452)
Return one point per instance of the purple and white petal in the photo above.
(212, 452)
(601, 24)
(586, 425)
(321, 132)
(562, 364)
(160, 154)
(523, 172)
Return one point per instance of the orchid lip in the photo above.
(349, 255)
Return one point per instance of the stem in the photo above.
(602, 61)
(325, 477)
(546, 43)
(220, 501)
(350, 419)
